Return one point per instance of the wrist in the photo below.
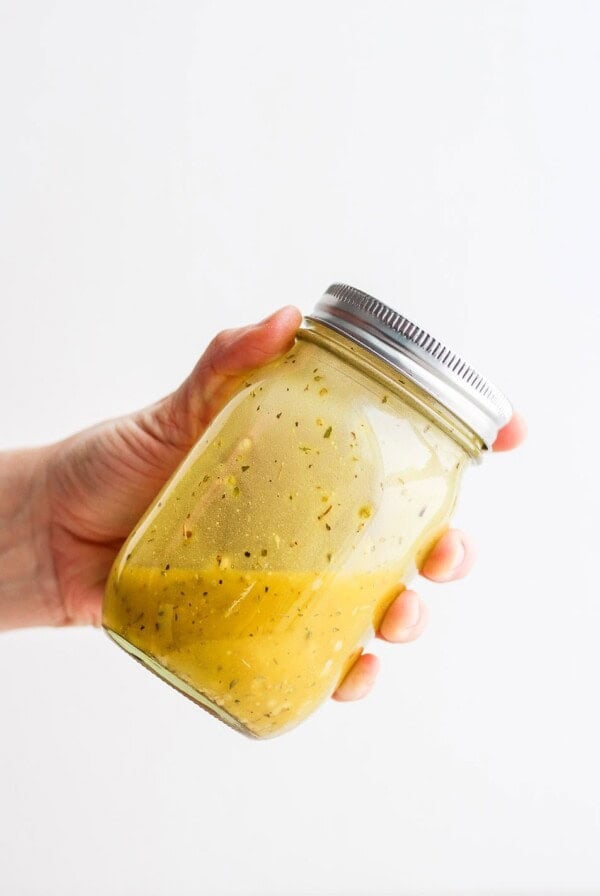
(28, 592)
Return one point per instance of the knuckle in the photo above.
(221, 340)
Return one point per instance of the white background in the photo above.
(168, 169)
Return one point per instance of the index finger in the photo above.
(511, 435)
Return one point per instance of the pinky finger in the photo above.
(359, 680)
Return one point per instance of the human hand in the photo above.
(98, 483)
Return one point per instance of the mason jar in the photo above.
(265, 564)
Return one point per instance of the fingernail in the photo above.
(443, 569)
(412, 613)
(455, 562)
(459, 555)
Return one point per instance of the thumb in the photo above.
(232, 354)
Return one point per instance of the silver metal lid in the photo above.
(421, 357)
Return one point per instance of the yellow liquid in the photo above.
(257, 575)
(265, 647)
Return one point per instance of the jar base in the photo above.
(182, 686)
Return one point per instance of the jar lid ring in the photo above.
(414, 352)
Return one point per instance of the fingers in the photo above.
(454, 554)
(451, 558)
(405, 619)
(512, 434)
(234, 352)
(231, 355)
(359, 680)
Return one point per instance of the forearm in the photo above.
(28, 593)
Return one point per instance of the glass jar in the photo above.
(254, 580)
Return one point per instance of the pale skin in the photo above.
(65, 509)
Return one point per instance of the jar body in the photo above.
(256, 577)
